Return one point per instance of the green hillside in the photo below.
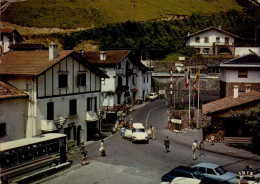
(89, 13)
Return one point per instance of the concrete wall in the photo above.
(13, 112)
(242, 51)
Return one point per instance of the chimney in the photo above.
(188, 33)
(219, 27)
(53, 51)
(248, 88)
(82, 52)
(235, 91)
(103, 55)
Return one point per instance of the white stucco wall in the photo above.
(231, 75)
(242, 51)
(13, 112)
(212, 34)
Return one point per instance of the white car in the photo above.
(153, 96)
(137, 133)
(183, 180)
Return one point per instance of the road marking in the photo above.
(149, 114)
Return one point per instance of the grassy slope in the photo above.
(88, 13)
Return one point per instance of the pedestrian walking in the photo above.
(84, 157)
(122, 132)
(194, 150)
(82, 148)
(153, 132)
(101, 151)
(167, 144)
(202, 146)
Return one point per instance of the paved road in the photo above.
(146, 163)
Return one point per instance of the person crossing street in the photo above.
(167, 144)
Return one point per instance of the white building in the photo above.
(128, 77)
(13, 110)
(212, 40)
(64, 91)
(243, 72)
(8, 37)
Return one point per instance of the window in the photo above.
(119, 65)
(82, 79)
(206, 39)
(119, 82)
(197, 39)
(50, 111)
(197, 50)
(63, 80)
(242, 74)
(89, 104)
(143, 79)
(226, 40)
(210, 171)
(73, 107)
(2, 129)
(147, 78)
(201, 170)
(95, 104)
(206, 50)
(217, 39)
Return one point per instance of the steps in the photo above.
(237, 140)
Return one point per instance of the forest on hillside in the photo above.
(165, 37)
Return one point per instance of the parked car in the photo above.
(137, 133)
(215, 171)
(153, 96)
(180, 171)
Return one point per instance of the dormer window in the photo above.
(217, 39)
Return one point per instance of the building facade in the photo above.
(242, 71)
(8, 37)
(13, 110)
(64, 91)
(213, 41)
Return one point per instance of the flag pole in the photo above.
(189, 101)
(198, 103)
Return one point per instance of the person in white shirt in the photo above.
(194, 150)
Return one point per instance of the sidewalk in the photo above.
(188, 136)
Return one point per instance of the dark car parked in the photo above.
(180, 171)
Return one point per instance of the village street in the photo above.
(146, 163)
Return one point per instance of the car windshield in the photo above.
(138, 130)
(220, 170)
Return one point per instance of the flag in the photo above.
(187, 80)
(194, 88)
(196, 77)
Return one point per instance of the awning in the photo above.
(91, 116)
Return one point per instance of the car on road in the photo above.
(137, 133)
(180, 171)
(215, 171)
(153, 96)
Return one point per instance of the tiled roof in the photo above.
(250, 59)
(28, 62)
(113, 57)
(7, 91)
(210, 28)
(26, 46)
(7, 30)
(230, 102)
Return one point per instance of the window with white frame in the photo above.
(197, 39)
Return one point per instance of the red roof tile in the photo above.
(28, 62)
(7, 30)
(113, 57)
(7, 91)
(230, 102)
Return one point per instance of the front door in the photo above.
(91, 129)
